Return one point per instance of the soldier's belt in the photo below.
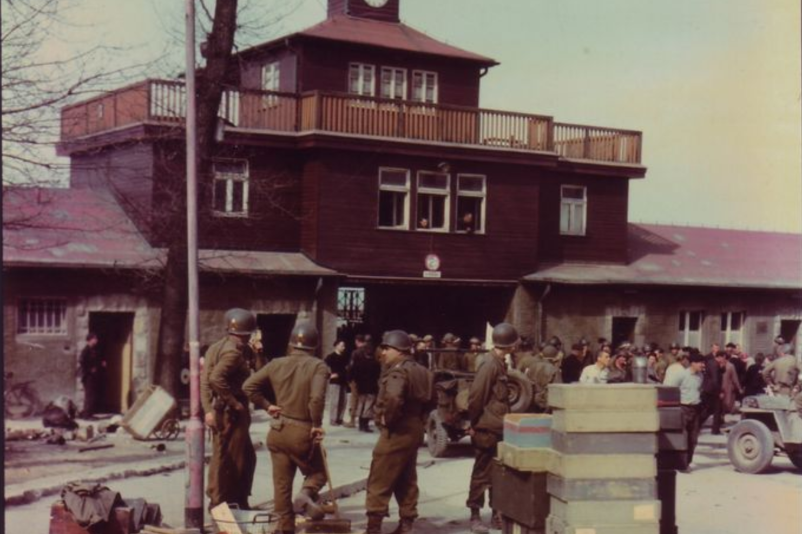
(296, 422)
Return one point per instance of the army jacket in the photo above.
(297, 383)
(488, 399)
(783, 371)
(225, 369)
(406, 391)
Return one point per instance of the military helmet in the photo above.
(555, 342)
(550, 352)
(450, 339)
(240, 322)
(397, 339)
(779, 340)
(475, 341)
(304, 336)
(505, 335)
(674, 346)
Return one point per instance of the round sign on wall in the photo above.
(432, 262)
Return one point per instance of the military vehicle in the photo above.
(769, 425)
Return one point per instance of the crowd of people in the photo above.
(390, 384)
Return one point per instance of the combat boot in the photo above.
(305, 503)
(405, 526)
(477, 527)
(374, 524)
(364, 425)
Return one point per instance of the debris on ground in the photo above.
(86, 508)
(30, 434)
(96, 447)
(60, 413)
(56, 439)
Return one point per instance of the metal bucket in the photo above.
(640, 369)
(246, 522)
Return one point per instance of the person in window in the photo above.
(423, 223)
(467, 223)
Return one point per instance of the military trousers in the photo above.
(485, 446)
(393, 472)
(291, 449)
(338, 396)
(233, 459)
(353, 400)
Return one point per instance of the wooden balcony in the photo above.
(164, 102)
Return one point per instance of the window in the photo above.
(42, 316)
(360, 79)
(732, 327)
(471, 203)
(351, 304)
(271, 76)
(690, 328)
(573, 208)
(424, 86)
(394, 83)
(433, 202)
(394, 198)
(230, 196)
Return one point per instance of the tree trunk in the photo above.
(172, 328)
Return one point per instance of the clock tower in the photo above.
(384, 10)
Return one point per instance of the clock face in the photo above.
(376, 3)
(432, 262)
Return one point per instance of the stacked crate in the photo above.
(602, 467)
(672, 454)
(519, 478)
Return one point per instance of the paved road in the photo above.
(712, 499)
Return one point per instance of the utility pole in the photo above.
(193, 509)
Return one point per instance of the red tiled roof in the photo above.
(693, 256)
(88, 228)
(396, 36)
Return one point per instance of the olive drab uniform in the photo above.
(488, 403)
(782, 373)
(233, 457)
(540, 372)
(405, 399)
(298, 384)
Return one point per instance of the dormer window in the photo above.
(394, 83)
(270, 76)
(424, 87)
(361, 79)
(573, 210)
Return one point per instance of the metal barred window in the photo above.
(351, 304)
(42, 316)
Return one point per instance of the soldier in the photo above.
(298, 385)
(473, 355)
(226, 368)
(405, 400)
(541, 371)
(451, 360)
(782, 374)
(488, 402)
(421, 353)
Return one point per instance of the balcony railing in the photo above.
(164, 102)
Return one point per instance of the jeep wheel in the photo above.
(520, 391)
(750, 446)
(794, 451)
(436, 436)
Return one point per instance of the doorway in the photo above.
(115, 332)
(276, 329)
(623, 330)
(789, 330)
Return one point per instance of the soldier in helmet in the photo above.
(782, 374)
(488, 402)
(453, 359)
(225, 405)
(293, 390)
(541, 371)
(404, 401)
(473, 355)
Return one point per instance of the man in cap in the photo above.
(225, 405)
(782, 374)
(473, 355)
(488, 403)
(405, 399)
(451, 358)
(293, 391)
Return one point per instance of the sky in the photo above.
(714, 85)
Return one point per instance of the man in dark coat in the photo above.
(488, 403)
(572, 364)
(338, 362)
(92, 364)
(226, 367)
(365, 373)
(711, 391)
(404, 401)
(298, 385)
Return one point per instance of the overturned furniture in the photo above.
(153, 415)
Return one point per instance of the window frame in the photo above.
(62, 328)
(730, 335)
(481, 229)
(572, 204)
(361, 81)
(445, 193)
(423, 74)
(685, 331)
(230, 180)
(275, 68)
(407, 190)
(394, 70)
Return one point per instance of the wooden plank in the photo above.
(610, 421)
(603, 396)
(604, 443)
(602, 466)
(612, 512)
(556, 526)
(614, 489)
(530, 460)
